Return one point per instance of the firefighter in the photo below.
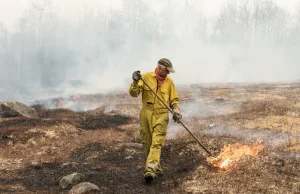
(154, 117)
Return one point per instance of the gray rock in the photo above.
(70, 180)
(85, 188)
(13, 109)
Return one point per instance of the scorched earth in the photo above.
(253, 132)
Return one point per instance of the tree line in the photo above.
(45, 49)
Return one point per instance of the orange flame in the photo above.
(232, 153)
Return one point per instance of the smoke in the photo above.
(101, 47)
(174, 130)
(201, 107)
(287, 156)
(270, 138)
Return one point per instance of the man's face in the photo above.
(162, 70)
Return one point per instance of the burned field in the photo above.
(252, 130)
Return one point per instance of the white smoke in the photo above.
(270, 138)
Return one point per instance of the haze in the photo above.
(44, 43)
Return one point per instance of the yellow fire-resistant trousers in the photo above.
(153, 131)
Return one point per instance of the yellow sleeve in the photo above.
(136, 89)
(174, 100)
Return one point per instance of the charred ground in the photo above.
(36, 153)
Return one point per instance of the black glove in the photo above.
(136, 76)
(177, 117)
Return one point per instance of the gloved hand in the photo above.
(177, 116)
(136, 76)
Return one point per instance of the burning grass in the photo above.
(231, 154)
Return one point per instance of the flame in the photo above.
(232, 153)
(225, 163)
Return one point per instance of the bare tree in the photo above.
(4, 51)
(270, 21)
(3, 39)
(293, 38)
(249, 22)
(226, 26)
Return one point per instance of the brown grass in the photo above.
(35, 153)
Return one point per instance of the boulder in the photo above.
(85, 188)
(70, 180)
(13, 109)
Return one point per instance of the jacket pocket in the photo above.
(148, 95)
(165, 95)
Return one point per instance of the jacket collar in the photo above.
(152, 74)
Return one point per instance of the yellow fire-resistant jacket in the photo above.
(167, 92)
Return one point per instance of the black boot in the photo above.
(148, 177)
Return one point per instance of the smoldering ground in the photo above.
(36, 153)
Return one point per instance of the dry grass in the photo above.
(36, 152)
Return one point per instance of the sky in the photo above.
(12, 10)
